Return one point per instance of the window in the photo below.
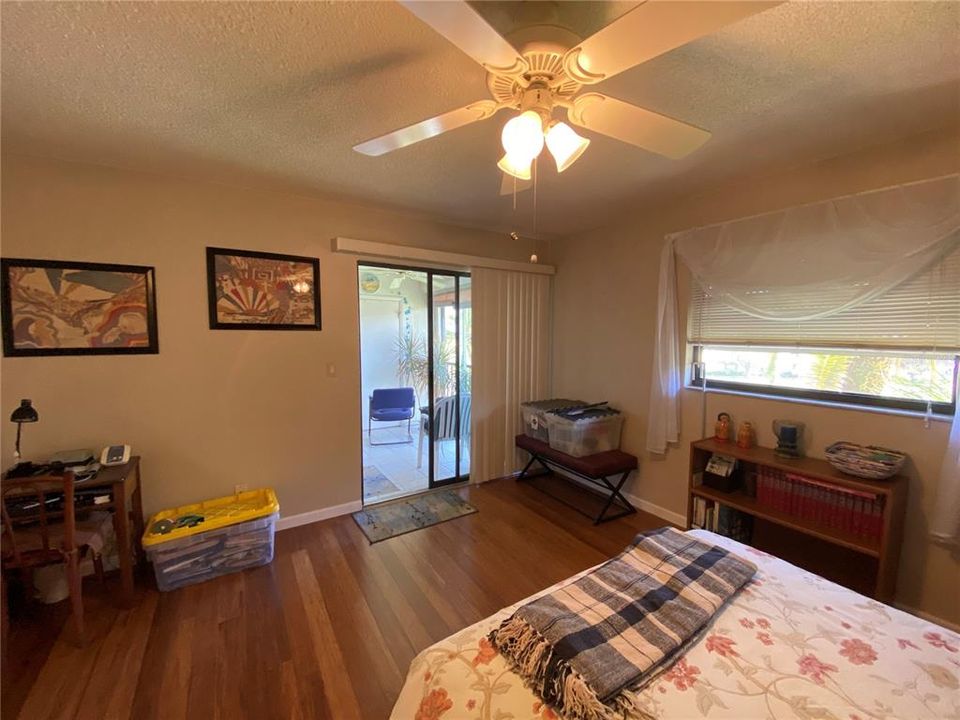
(900, 349)
(889, 379)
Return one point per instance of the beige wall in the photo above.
(218, 408)
(213, 408)
(605, 301)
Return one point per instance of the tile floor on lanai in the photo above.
(390, 471)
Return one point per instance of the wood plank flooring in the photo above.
(326, 631)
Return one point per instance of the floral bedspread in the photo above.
(790, 646)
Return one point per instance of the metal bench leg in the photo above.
(615, 493)
(523, 473)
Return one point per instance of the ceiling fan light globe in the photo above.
(565, 145)
(516, 167)
(522, 136)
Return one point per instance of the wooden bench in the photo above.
(596, 469)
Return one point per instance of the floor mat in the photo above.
(397, 518)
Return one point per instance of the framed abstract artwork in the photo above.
(51, 307)
(262, 291)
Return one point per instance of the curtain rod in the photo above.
(407, 253)
(810, 204)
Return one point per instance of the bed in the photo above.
(789, 645)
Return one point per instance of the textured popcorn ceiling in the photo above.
(276, 95)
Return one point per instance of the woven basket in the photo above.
(866, 461)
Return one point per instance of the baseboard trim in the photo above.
(670, 516)
(292, 521)
(927, 616)
(661, 512)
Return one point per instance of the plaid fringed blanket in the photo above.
(588, 646)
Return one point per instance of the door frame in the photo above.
(432, 482)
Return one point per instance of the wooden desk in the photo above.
(122, 484)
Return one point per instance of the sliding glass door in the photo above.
(415, 359)
(450, 323)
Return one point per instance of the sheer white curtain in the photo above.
(663, 415)
(945, 526)
(511, 352)
(832, 255)
(806, 263)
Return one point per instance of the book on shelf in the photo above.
(833, 506)
(723, 520)
(699, 507)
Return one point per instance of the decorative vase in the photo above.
(722, 428)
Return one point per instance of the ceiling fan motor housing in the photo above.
(544, 83)
(545, 66)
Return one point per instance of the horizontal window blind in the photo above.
(922, 314)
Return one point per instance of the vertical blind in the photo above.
(511, 354)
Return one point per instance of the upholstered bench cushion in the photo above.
(600, 465)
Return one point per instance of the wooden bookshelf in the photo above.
(878, 557)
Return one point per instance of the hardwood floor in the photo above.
(325, 631)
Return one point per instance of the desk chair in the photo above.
(37, 536)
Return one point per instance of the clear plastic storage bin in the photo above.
(534, 415)
(585, 432)
(236, 532)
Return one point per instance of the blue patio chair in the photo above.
(392, 405)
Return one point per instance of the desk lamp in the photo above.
(26, 413)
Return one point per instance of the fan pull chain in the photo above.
(536, 176)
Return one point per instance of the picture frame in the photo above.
(60, 307)
(253, 290)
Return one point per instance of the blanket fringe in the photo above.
(554, 680)
(629, 703)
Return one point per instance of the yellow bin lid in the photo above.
(217, 513)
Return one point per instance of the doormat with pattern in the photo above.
(390, 519)
(375, 483)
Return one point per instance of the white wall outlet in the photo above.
(241, 487)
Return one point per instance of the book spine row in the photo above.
(852, 511)
(721, 520)
(704, 515)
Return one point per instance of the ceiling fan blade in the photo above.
(650, 29)
(509, 183)
(631, 124)
(464, 27)
(425, 129)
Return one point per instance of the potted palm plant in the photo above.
(413, 365)
(412, 368)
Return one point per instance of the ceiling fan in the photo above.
(550, 71)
